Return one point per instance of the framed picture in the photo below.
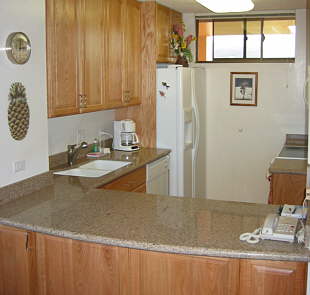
(243, 89)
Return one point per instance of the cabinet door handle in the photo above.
(83, 100)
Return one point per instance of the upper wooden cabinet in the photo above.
(132, 60)
(91, 45)
(165, 19)
(93, 55)
(62, 57)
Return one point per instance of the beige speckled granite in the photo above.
(289, 166)
(72, 209)
(25, 187)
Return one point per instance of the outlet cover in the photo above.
(19, 166)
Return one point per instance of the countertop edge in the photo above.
(182, 250)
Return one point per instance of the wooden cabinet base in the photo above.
(259, 277)
(41, 264)
(287, 189)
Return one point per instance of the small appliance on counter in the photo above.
(125, 137)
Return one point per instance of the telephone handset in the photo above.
(280, 228)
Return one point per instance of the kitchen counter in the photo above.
(72, 207)
(291, 160)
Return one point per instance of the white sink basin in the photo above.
(94, 169)
(105, 165)
(83, 172)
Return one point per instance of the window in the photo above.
(253, 39)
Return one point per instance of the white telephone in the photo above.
(280, 228)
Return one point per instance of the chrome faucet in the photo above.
(73, 152)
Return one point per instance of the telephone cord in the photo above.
(251, 238)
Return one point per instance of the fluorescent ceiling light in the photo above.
(220, 6)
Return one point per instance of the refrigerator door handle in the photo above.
(196, 134)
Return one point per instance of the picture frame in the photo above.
(243, 88)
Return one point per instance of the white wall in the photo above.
(26, 16)
(241, 141)
(64, 130)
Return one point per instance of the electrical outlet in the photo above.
(19, 166)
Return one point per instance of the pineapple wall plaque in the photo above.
(18, 112)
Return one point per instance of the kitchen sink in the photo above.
(83, 172)
(95, 168)
(105, 165)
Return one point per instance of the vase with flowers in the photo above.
(180, 44)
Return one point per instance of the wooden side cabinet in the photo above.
(287, 189)
(259, 277)
(17, 262)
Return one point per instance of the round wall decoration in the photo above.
(18, 48)
(18, 112)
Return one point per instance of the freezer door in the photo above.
(200, 132)
(185, 133)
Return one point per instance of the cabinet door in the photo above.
(91, 21)
(17, 256)
(173, 274)
(259, 277)
(163, 30)
(73, 267)
(114, 58)
(132, 91)
(62, 57)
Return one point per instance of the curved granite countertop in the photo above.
(73, 208)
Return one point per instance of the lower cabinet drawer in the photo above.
(129, 182)
(141, 188)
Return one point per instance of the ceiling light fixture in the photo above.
(222, 6)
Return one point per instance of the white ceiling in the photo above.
(188, 6)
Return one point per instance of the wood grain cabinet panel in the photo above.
(114, 47)
(93, 55)
(62, 57)
(259, 277)
(173, 274)
(163, 30)
(165, 19)
(287, 189)
(91, 25)
(73, 267)
(129, 182)
(132, 58)
(17, 257)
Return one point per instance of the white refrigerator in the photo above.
(181, 127)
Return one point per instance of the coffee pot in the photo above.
(125, 137)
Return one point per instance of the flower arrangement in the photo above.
(180, 44)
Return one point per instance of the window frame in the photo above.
(244, 59)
